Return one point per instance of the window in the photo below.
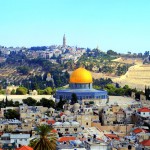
(75, 129)
(87, 123)
(66, 129)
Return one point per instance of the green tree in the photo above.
(47, 103)
(10, 103)
(0, 87)
(46, 141)
(2, 92)
(13, 92)
(111, 52)
(127, 90)
(2, 104)
(48, 91)
(40, 92)
(21, 91)
(11, 114)
(119, 91)
(6, 101)
(74, 98)
(30, 101)
(147, 92)
(91, 102)
(138, 93)
(16, 104)
(60, 103)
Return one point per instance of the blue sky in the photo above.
(121, 25)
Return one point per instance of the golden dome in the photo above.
(81, 75)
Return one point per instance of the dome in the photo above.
(57, 124)
(51, 109)
(66, 124)
(67, 112)
(76, 106)
(81, 75)
(74, 123)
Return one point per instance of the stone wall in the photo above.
(116, 128)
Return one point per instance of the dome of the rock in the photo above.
(80, 84)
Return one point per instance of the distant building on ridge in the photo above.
(64, 41)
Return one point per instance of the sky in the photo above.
(120, 25)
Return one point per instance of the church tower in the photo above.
(64, 41)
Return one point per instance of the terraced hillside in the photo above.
(137, 76)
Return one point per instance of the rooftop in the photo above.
(144, 109)
(24, 148)
(146, 143)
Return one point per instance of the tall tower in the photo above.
(64, 41)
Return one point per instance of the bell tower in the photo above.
(64, 41)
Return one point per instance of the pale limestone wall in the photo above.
(108, 119)
(30, 115)
(42, 109)
(145, 103)
(84, 120)
(143, 137)
(115, 108)
(117, 128)
(26, 126)
(1, 114)
(124, 148)
(2, 127)
(21, 97)
(23, 115)
(70, 129)
(95, 117)
(12, 127)
(96, 101)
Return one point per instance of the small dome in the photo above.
(76, 106)
(81, 75)
(67, 112)
(66, 124)
(34, 92)
(78, 142)
(57, 124)
(51, 109)
(74, 123)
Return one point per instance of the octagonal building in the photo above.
(80, 83)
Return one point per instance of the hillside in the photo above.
(136, 61)
(137, 76)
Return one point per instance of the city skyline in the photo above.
(118, 25)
